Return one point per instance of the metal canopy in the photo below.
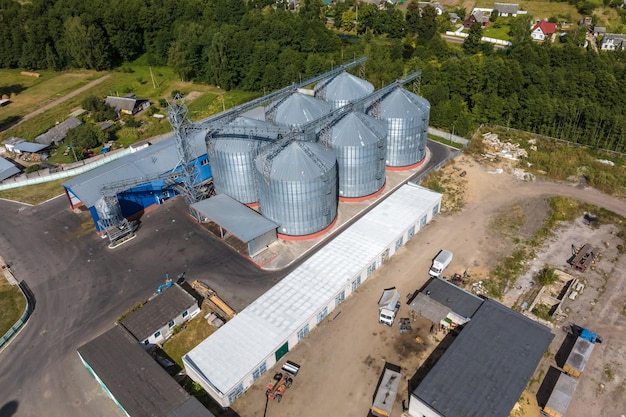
(243, 222)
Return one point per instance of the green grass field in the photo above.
(497, 33)
(153, 83)
(12, 304)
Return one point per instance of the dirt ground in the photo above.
(342, 359)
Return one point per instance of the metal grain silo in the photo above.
(297, 109)
(343, 89)
(109, 211)
(298, 187)
(231, 153)
(360, 144)
(407, 125)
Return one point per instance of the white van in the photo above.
(441, 261)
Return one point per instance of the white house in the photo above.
(612, 41)
(154, 322)
(542, 30)
(506, 9)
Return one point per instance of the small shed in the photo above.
(237, 224)
(11, 142)
(578, 357)
(561, 396)
(154, 322)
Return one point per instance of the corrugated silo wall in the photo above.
(327, 308)
(300, 207)
(361, 169)
(234, 173)
(403, 141)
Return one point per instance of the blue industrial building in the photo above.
(140, 180)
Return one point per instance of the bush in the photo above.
(546, 276)
(33, 168)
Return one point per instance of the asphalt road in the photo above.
(81, 287)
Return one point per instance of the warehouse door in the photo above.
(282, 351)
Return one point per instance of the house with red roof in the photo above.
(542, 30)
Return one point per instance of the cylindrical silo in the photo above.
(298, 187)
(407, 124)
(360, 144)
(231, 153)
(343, 89)
(297, 109)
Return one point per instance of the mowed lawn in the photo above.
(12, 304)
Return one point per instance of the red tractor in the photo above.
(277, 386)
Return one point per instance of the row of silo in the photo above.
(296, 183)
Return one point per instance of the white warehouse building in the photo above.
(229, 361)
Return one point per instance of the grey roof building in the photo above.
(58, 133)
(137, 383)
(612, 41)
(128, 104)
(485, 370)
(158, 312)
(506, 9)
(561, 396)
(247, 225)
(453, 297)
(7, 169)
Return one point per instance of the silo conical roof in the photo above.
(358, 129)
(343, 88)
(294, 162)
(299, 109)
(400, 104)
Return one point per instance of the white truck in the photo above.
(441, 261)
(388, 306)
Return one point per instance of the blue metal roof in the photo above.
(156, 159)
(30, 146)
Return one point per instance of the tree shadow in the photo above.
(10, 89)
(9, 409)
(9, 122)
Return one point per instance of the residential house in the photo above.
(58, 133)
(612, 41)
(542, 30)
(506, 9)
(476, 16)
(434, 4)
(129, 104)
(453, 17)
(154, 322)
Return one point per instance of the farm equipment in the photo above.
(215, 303)
(405, 325)
(277, 386)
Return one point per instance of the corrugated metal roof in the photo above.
(457, 299)
(156, 159)
(358, 129)
(399, 104)
(580, 354)
(30, 146)
(562, 394)
(239, 346)
(485, 370)
(243, 222)
(299, 109)
(136, 381)
(158, 312)
(345, 87)
(294, 163)
(429, 308)
(7, 169)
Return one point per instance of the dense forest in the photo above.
(558, 89)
